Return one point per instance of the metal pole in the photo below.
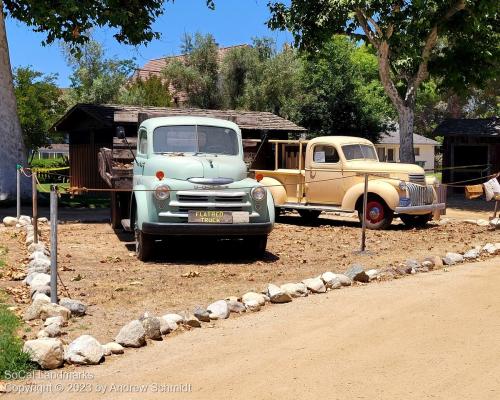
(18, 182)
(363, 220)
(34, 193)
(53, 243)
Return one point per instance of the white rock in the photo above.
(253, 305)
(330, 280)
(315, 285)
(42, 334)
(24, 220)
(132, 335)
(54, 310)
(190, 319)
(84, 350)
(482, 222)
(40, 279)
(344, 279)
(43, 220)
(254, 299)
(472, 254)
(372, 274)
(53, 330)
(277, 295)
(218, 310)
(39, 255)
(41, 296)
(495, 223)
(55, 320)
(489, 248)
(167, 325)
(173, 317)
(112, 348)
(44, 289)
(40, 246)
(10, 221)
(33, 311)
(235, 306)
(48, 353)
(151, 326)
(295, 289)
(452, 258)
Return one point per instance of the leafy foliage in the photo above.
(152, 91)
(39, 104)
(197, 74)
(95, 78)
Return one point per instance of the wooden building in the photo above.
(470, 143)
(91, 127)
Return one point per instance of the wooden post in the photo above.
(35, 206)
(53, 243)
(18, 198)
(363, 220)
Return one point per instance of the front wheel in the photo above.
(144, 245)
(415, 221)
(257, 244)
(378, 215)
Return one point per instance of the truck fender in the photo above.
(383, 189)
(139, 197)
(270, 207)
(276, 188)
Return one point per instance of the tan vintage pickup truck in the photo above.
(327, 174)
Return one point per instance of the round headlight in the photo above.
(258, 193)
(402, 185)
(162, 192)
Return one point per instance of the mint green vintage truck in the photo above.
(189, 179)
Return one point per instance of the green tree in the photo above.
(152, 91)
(39, 104)
(95, 78)
(197, 74)
(453, 39)
(65, 20)
(341, 92)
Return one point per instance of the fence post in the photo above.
(34, 192)
(18, 186)
(53, 243)
(363, 219)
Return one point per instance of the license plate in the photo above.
(210, 217)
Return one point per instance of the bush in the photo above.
(50, 162)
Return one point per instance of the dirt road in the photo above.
(433, 336)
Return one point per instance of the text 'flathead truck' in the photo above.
(329, 176)
(190, 179)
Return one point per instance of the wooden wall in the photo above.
(83, 165)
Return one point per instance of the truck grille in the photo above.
(210, 200)
(417, 178)
(420, 195)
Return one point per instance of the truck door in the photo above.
(142, 153)
(324, 183)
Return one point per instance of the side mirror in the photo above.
(120, 132)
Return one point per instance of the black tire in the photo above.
(415, 221)
(144, 245)
(309, 215)
(379, 216)
(257, 245)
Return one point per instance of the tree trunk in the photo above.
(11, 147)
(406, 117)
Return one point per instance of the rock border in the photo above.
(49, 352)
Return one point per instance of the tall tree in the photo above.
(197, 74)
(39, 104)
(152, 91)
(405, 35)
(66, 20)
(95, 78)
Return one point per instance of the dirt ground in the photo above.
(438, 340)
(98, 266)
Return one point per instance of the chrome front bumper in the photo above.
(411, 209)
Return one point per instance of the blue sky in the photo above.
(232, 22)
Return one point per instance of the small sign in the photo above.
(210, 217)
(319, 156)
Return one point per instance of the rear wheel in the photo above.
(415, 221)
(309, 215)
(378, 215)
(257, 244)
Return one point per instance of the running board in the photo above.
(317, 207)
(126, 225)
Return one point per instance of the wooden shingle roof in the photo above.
(472, 126)
(109, 114)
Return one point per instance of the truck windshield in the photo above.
(195, 139)
(359, 152)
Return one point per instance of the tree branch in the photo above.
(360, 15)
(385, 75)
(430, 43)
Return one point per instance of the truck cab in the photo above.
(190, 179)
(329, 176)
